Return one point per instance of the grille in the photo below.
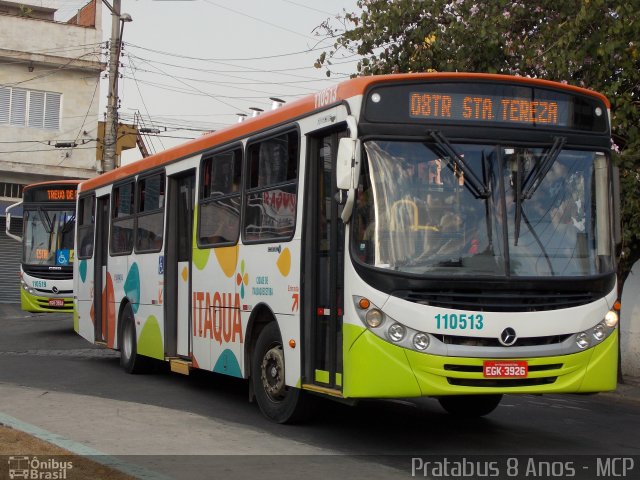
(479, 368)
(60, 292)
(493, 342)
(44, 303)
(501, 383)
(498, 301)
(48, 274)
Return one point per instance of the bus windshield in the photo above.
(48, 237)
(433, 208)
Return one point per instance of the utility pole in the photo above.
(111, 122)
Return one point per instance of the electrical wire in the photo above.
(143, 102)
(81, 129)
(198, 90)
(214, 59)
(48, 72)
(234, 83)
(258, 19)
(309, 8)
(257, 70)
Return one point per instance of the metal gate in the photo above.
(10, 262)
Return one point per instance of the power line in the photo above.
(201, 93)
(244, 69)
(48, 72)
(88, 110)
(242, 59)
(235, 83)
(258, 19)
(197, 89)
(142, 99)
(272, 70)
(309, 8)
(45, 150)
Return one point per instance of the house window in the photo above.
(29, 108)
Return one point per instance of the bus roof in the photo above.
(308, 104)
(53, 182)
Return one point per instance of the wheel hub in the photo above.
(272, 373)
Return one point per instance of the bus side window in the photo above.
(271, 197)
(150, 214)
(219, 218)
(86, 221)
(122, 218)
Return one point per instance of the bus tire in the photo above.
(279, 403)
(129, 358)
(470, 405)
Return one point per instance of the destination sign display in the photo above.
(486, 103)
(488, 108)
(50, 193)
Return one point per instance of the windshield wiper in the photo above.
(525, 190)
(46, 221)
(539, 172)
(473, 183)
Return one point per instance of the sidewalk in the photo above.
(144, 440)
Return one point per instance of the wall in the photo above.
(630, 323)
(65, 58)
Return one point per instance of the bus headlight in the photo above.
(611, 319)
(389, 329)
(421, 341)
(374, 318)
(396, 332)
(599, 331)
(27, 288)
(582, 340)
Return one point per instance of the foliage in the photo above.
(588, 43)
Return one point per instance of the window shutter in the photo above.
(5, 105)
(36, 109)
(52, 111)
(18, 107)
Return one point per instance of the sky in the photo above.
(190, 66)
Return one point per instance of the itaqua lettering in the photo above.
(217, 316)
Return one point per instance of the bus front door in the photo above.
(323, 282)
(179, 243)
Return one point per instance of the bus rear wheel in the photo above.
(129, 358)
(278, 402)
(470, 405)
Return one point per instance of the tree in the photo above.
(588, 43)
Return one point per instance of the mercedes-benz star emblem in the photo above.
(508, 337)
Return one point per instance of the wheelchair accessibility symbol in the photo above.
(62, 257)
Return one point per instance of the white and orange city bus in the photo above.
(443, 235)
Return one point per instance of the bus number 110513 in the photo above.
(459, 321)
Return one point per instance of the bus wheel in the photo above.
(470, 405)
(129, 358)
(277, 402)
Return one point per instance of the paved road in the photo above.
(55, 380)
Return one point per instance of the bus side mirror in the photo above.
(617, 209)
(8, 222)
(348, 173)
(346, 154)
